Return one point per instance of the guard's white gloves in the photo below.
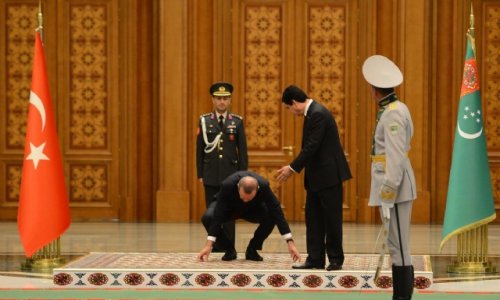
(387, 196)
(386, 210)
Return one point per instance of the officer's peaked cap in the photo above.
(221, 89)
(381, 72)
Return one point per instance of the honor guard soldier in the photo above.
(221, 146)
(393, 187)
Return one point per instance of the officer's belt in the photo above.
(381, 157)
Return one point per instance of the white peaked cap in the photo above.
(381, 72)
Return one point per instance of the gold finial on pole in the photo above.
(470, 31)
(40, 19)
(471, 18)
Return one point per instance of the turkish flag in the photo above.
(43, 213)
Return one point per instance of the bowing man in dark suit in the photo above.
(245, 195)
(326, 168)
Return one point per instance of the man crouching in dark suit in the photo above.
(326, 168)
(245, 195)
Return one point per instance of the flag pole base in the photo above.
(43, 265)
(45, 259)
(472, 268)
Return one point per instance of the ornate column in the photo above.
(172, 196)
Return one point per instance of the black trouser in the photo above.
(258, 215)
(228, 227)
(324, 226)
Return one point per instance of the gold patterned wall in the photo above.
(18, 54)
(88, 73)
(89, 101)
(491, 90)
(262, 75)
(83, 70)
(326, 58)
(92, 153)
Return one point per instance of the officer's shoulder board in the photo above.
(393, 105)
(237, 116)
(205, 115)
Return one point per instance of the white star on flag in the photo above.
(37, 154)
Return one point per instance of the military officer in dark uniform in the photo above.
(221, 147)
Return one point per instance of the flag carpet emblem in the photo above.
(181, 270)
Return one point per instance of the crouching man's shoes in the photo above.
(308, 265)
(229, 255)
(252, 254)
(334, 267)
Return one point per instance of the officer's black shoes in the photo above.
(334, 267)
(229, 255)
(402, 282)
(252, 254)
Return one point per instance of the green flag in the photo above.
(470, 197)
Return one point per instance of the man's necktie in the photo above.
(221, 121)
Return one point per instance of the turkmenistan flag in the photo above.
(470, 196)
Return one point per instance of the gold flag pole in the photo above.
(472, 244)
(48, 257)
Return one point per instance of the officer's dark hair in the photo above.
(384, 91)
(248, 186)
(293, 93)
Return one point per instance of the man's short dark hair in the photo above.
(293, 93)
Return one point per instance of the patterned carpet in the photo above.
(183, 271)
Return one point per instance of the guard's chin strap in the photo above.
(210, 146)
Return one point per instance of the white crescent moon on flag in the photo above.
(469, 136)
(38, 104)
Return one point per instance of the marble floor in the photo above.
(83, 238)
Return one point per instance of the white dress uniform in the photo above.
(392, 175)
(393, 186)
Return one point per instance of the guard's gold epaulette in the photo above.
(393, 105)
(204, 115)
(237, 116)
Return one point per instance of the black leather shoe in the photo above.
(308, 265)
(252, 254)
(334, 267)
(229, 255)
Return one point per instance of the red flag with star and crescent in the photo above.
(43, 213)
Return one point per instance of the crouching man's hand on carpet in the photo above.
(294, 253)
(205, 252)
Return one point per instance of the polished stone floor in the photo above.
(83, 238)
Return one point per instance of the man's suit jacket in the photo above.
(322, 155)
(230, 206)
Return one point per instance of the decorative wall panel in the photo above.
(13, 183)
(92, 66)
(491, 91)
(79, 69)
(20, 39)
(89, 86)
(88, 183)
(262, 73)
(326, 58)
(18, 55)
(491, 65)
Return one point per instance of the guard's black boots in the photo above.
(402, 282)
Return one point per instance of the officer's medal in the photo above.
(231, 131)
